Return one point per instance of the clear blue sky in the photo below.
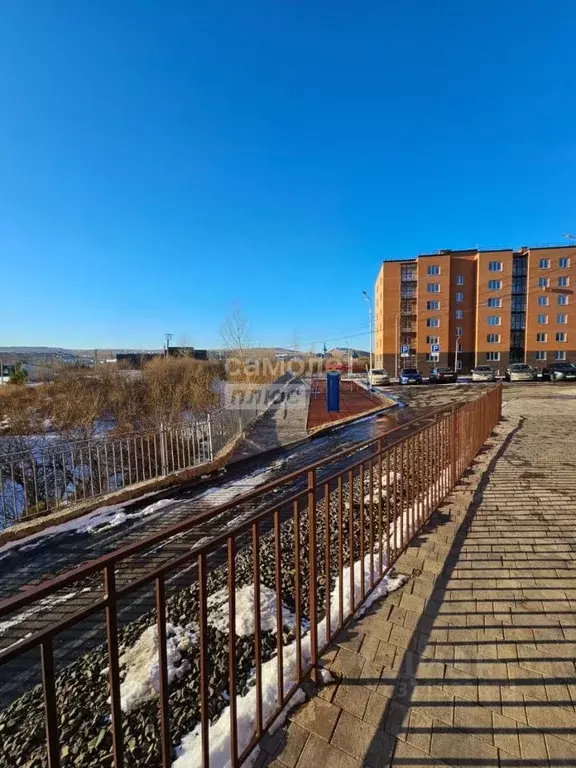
(160, 161)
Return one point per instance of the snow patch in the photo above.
(218, 611)
(141, 662)
(213, 497)
(190, 750)
(96, 521)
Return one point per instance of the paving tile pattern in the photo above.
(472, 663)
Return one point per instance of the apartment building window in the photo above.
(493, 338)
(433, 322)
(564, 262)
(543, 301)
(561, 336)
(431, 357)
(433, 287)
(541, 355)
(459, 298)
(494, 302)
(561, 319)
(544, 263)
(433, 269)
(563, 281)
(494, 285)
(543, 282)
(493, 320)
(562, 300)
(459, 365)
(459, 280)
(560, 354)
(541, 337)
(434, 304)
(458, 331)
(542, 319)
(493, 357)
(459, 314)
(432, 340)
(495, 266)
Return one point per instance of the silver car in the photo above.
(483, 373)
(520, 372)
(379, 377)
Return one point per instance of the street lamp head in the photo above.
(364, 293)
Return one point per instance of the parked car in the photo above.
(520, 372)
(410, 376)
(379, 377)
(483, 373)
(442, 376)
(559, 372)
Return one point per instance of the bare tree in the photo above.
(235, 332)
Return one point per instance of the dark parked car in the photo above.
(442, 376)
(410, 376)
(559, 372)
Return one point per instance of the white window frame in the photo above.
(560, 354)
(541, 354)
(432, 339)
(458, 331)
(433, 269)
(564, 319)
(495, 266)
(496, 318)
(564, 262)
(543, 282)
(458, 364)
(493, 357)
(432, 287)
(494, 302)
(460, 280)
(562, 300)
(459, 297)
(563, 281)
(543, 301)
(542, 319)
(564, 336)
(496, 285)
(432, 322)
(541, 341)
(434, 308)
(544, 264)
(493, 338)
(459, 314)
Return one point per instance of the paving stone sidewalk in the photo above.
(472, 662)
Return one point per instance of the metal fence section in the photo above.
(314, 558)
(51, 474)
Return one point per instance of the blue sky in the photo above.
(160, 162)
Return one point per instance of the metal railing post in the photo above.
(210, 445)
(454, 417)
(163, 450)
(312, 564)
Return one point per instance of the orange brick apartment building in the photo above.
(481, 307)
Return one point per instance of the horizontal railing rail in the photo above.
(266, 596)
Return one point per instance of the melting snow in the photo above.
(141, 681)
(218, 610)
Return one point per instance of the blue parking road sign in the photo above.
(435, 348)
(404, 350)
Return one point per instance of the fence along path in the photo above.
(54, 473)
(254, 623)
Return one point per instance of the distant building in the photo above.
(468, 308)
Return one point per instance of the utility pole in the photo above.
(369, 300)
(168, 337)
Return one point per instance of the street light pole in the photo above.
(456, 356)
(369, 300)
(396, 347)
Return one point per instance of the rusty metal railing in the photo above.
(266, 597)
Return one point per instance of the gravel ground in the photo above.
(82, 688)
